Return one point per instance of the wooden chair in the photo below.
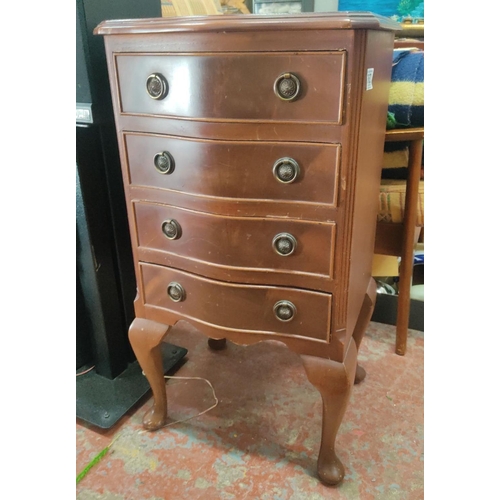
(399, 239)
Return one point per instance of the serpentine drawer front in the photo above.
(244, 242)
(271, 171)
(248, 86)
(251, 151)
(273, 311)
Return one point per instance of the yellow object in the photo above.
(172, 8)
(385, 265)
(406, 93)
(396, 159)
(167, 9)
(239, 5)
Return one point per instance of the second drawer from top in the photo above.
(264, 170)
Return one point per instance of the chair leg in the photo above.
(403, 317)
(407, 254)
(146, 337)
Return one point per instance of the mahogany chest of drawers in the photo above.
(251, 149)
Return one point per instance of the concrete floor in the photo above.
(262, 440)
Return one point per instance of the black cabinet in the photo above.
(104, 256)
(106, 284)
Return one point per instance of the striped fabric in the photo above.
(392, 201)
(396, 155)
(406, 94)
(395, 159)
(406, 102)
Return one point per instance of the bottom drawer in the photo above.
(268, 310)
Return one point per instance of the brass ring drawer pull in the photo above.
(176, 292)
(171, 229)
(284, 310)
(164, 162)
(286, 170)
(157, 86)
(287, 87)
(284, 244)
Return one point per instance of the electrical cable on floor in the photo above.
(194, 416)
(86, 371)
(103, 452)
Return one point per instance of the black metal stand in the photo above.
(102, 402)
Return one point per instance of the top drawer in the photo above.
(234, 86)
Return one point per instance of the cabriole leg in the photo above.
(334, 381)
(362, 324)
(146, 337)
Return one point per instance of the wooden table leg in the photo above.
(146, 337)
(334, 381)
(407, 252)
(364, 318)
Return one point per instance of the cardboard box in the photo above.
(385, 265)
